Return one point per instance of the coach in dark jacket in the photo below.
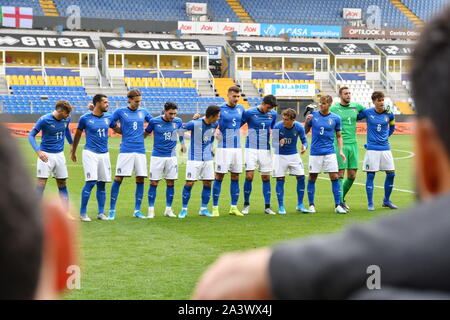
(401, 256)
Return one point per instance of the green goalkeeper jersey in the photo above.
(348, 116)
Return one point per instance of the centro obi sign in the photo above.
(290, 89)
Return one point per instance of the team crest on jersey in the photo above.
(386, 118)
(219, 167)
(174, 125)
(330, 122)
(189, 175)
(119, 170)
(106, 121)
(88, 175)
(140, 115)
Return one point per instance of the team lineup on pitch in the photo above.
(333, 150)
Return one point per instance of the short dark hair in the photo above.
(342, 89)
(377, 95)
(98, 98)
(290, 113)
(430, 76)
(169, 105)
(270, 99)
(133, 93)
(21, 229)
(212, 111)
(63, 105)
(234, 89)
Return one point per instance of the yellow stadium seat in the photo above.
(22, 82)
(41, 82)
(34, 83)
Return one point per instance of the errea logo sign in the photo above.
(42, 41)
(152, 44)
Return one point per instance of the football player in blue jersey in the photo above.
(260, 121)
(285, 135)
(132, 156)
(95, 157)
(229, 152)
(200, 158)
(378, 157)
(163, 163)
(324, 125)
(51, 159)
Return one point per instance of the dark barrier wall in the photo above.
(108, 25)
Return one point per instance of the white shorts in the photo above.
(55, 166)
(199, 170)
(292, 163)
(97, 166)
(228, 160)
(375, 160)
(163, 167)
(127, 163)
(328, 164)
(258, 158)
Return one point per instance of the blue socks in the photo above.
(266, 192)
(151, 195)
(247, 191)
(216, 192)
(280, 192)
(101, 196)
(311, 191)
(234, 191)
(388, 186)
(114, 194)
(206, 194)
(170, 192)
(336, 187)
(186, 195)
(369, 187)
(85, 194)
(64, 195)
(138, 196)
(300, 189)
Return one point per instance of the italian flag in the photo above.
(16, 17)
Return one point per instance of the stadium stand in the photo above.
(320, 12)
(425, 9)
(169, 10)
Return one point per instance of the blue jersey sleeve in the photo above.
(82, 123)
(274, 120)
(32, 139)
(148, 116)
(361, 115)
(69, 135)
(302, 135)
(188, 126)
(150, 127)
(180, 131)
(338, 124)
(244, 118)
(115, 118)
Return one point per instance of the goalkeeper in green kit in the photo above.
(347, 111)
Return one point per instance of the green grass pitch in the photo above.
(162, 258)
